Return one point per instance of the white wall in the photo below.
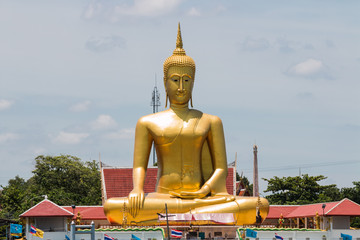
(99, 235)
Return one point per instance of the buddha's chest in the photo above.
(191, 131)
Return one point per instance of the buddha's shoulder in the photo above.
(205, 117)
(153, 117)
(164, 115)
(212, 118)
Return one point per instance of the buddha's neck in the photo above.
(179, 108)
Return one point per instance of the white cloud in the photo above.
(112, 12)
(103, 122)
(5, 137)
(80, 107)
(70, 138)
(92, 10)
(148, 7)
(194, 12)
(126, 133)
(107, 43)
(308, 68)
(253, 44)
(286, 46)
(220, 8)
(5, 104)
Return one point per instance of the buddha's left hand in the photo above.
(203, 192)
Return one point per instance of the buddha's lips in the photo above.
(181, 94)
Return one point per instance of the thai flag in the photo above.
(176, 233)
(278, 237)
(107, 237)
(32, 229)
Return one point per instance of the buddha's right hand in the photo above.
(136, 201)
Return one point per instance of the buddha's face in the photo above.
(179, 84)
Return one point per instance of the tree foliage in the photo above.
(65, 179)
(302, 189)
(352, 193)
(246, 182)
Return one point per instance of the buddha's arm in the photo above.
(216, 140)
(217, 182)
(143, 141)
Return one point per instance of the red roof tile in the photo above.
(46, 208)
(88, 212)
(344, 207)
(275, 211)
(118, 181)
(310, 210)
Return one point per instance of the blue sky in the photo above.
(76, 75)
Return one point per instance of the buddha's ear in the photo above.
(166, 99)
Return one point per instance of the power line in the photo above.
(304, 166)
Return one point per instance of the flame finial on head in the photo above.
(179, 43)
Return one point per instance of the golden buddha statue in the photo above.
(192, 166)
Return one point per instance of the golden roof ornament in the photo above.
(179, 57)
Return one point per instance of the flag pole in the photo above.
(167, 221)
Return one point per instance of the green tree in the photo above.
(246, 182)
(352, 193)
(66, 180)
(302, 189)
(12, 198)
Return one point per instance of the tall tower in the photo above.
(155, 103)
(256, 176)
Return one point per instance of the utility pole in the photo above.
(155, 103)
(255, 176)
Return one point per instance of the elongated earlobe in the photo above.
(166, 100)
(191, 102)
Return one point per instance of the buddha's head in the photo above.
(179, 74)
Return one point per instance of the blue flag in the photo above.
(278, 237)
(15, 229)
(346, 236)
(251, 233)
(67, 237)
(135, 237)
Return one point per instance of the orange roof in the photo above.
(46, 208)
(344, 207)
(88, 212)
(117, 182)
(275, 211)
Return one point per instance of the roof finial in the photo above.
(179, 43)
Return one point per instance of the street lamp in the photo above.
(323, 208)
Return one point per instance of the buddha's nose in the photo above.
(181, 87)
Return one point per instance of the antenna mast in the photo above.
(155, 103)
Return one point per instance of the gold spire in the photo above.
(179, 43)
(179, 57)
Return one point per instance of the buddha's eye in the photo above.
(186, 80)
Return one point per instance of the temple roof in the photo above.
(344, 207)
(88, 212)
(46, 208)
